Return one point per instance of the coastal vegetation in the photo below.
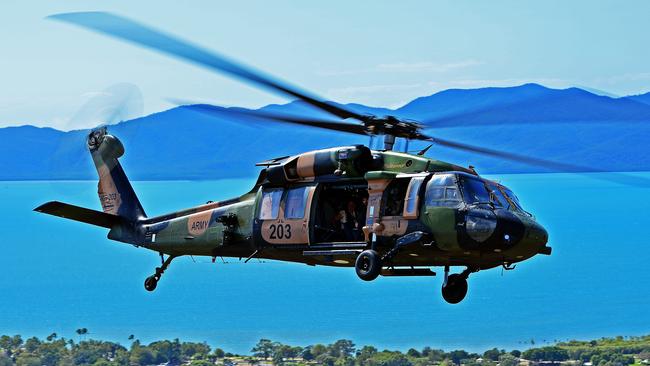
(59, 351)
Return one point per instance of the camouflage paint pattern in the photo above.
(231, 228)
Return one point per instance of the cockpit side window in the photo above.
(442, 191)
(270, 204)
(394, 197)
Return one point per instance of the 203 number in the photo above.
(280, 231)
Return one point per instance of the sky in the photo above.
(379, 53)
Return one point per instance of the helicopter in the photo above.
(382, 211)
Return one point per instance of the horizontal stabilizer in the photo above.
(79, 214)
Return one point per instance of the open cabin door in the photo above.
(339, 213)
(412, 199)
(283, 215)
(392, 202)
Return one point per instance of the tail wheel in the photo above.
(455, 289)
(368, 265)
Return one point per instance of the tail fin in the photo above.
(114, 189)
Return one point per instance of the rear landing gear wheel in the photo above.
(150, 283)
(368, 265)
(455, 289)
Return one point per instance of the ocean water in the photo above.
(58, 275)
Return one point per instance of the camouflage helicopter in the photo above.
(384, 212)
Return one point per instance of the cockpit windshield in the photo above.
(474, 190)
(448, 190)
(503, 197)
(498, 197)
(513, 198)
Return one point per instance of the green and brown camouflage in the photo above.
(447, 231)
(227, 228)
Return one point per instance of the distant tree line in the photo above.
(56, 351)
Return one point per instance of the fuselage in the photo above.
(324, 207)
(383, 212)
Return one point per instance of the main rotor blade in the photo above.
(513, 157)
(476, 119)
(131, 31)
(552, 166)
(328, 125)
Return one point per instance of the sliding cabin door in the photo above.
(283, 215)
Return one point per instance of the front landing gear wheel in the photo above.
(368, 265)
(150, 283)
(455, 289)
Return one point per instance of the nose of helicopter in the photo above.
(537, 238)
(539, 233)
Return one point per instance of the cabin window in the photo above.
(411, 205)
(442, 191)
(394, 197)
(270, 204)
(296, 201)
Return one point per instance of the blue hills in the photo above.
(529, 103)
(567, 125)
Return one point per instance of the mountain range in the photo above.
(567, 125)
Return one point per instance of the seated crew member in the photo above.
(350, 222)
(361, 214)
(392, 202)
(338, 224)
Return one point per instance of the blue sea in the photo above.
(58, 275)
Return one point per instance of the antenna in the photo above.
(424, 151)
